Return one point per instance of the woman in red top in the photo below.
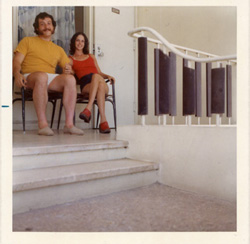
(90, 77)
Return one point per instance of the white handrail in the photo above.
(173, 48)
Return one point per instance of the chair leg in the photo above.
(114, 105)
(53, 113)
(114, 108)
(60, 113)
(97, 118)
(23, 109)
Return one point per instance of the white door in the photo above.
(111, 25)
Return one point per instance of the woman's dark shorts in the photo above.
(86, 79)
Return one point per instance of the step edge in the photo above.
(84, 177)
(61, 159)
(68, 148)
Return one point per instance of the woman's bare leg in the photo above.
(102, 91)
(97, 89)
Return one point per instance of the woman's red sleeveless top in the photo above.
(84, 67)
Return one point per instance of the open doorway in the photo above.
(79, 19)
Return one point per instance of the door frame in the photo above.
(89, 29)
(88, 15)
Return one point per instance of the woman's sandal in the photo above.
(85, 115)
(104, 127)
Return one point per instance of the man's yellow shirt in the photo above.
(41, 55)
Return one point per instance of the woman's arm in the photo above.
(105, 76)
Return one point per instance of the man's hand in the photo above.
(20, 81)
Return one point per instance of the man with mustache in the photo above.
(34, 67)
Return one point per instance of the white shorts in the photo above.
(50, 77)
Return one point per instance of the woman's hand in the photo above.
(112, 79)
(68, 69)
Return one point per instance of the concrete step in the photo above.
(25, 158)
(39, 188)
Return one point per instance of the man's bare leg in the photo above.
(67, 84)
(38, 82)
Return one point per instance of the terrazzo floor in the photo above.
(32, 140)
(147, 209)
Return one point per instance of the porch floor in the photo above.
(31, 139)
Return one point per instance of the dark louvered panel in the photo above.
(162, 78)
(142, 77)
(198, 102)
(172, 85)
(188, 90)
(157, 80)
(209, 88)
(218, 91)
(164, 83)
(229, 90)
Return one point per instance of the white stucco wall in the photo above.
(200, 159)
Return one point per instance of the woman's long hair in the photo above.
(73, 43)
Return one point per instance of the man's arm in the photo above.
(20, 81)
